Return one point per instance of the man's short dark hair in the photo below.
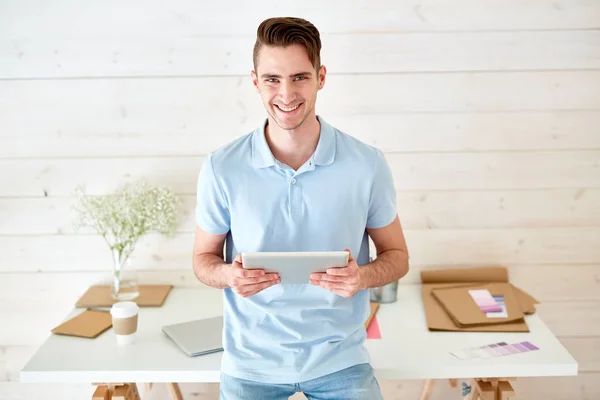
(286, 31)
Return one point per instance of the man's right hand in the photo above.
(248, 282)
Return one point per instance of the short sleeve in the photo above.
(212, 210)
(382, 201)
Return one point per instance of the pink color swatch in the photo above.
(484, 300)
(373, 329)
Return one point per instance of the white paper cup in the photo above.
(125, 339)
(125, 320)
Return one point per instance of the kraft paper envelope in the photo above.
(437, 317)
(526, 301)
(88, 324)
(463, 310)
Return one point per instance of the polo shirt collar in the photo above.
(324, 154)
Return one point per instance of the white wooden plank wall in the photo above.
(487, 110)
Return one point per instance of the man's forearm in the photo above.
(389, 266)
(210, 270)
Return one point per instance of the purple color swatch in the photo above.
(502, 314)
(529, 346)
(511, 349)
(497, 350)
(520, 347)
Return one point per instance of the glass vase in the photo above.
(124, 278)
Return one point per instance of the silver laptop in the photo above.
(197, 337)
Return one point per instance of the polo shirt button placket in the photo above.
(294, 196)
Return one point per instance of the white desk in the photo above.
(407, 349)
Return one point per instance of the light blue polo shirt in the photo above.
(294, 333)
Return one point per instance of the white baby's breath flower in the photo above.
(134, 210)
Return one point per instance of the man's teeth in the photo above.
(286, 109)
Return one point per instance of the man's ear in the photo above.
(254, 80)
(321, 76)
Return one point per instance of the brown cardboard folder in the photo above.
(464, 312)
(445, 295)
(100, 296)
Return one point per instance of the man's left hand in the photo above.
(343, 281)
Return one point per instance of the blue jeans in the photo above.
(353, 383)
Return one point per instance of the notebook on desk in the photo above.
(197, 337)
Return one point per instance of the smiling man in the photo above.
(296, 183)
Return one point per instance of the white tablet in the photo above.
(295, 267)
